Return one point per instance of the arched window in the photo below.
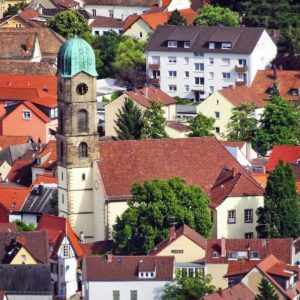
(82, 121)
(83, 150)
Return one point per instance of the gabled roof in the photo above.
(48, 156)
(143, 3)
(178, 126)
(26, 68)
(145, 95)
(285, 153)
(107, 22)
(20, 172)
(57, 228)
(242, 95)
(98, 248)
(197, 160)
(236, 292)
(238, 144)
(184, 230)
(8, 140)
(125, 268)
(28, 13)
(42, 179)
(281, 248)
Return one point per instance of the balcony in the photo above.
(198, 88)
(241, 69)
(154, 66)
(240, 82)
(155, 81)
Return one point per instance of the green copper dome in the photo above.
(75, 56)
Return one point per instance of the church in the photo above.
(95, 178)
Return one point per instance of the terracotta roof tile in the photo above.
(145, 3)
(44, 179)
(179, 126)
(66, 3)
(48, 156)
(99, 247)
(261, 178)
(125, 268)
(7, 141)
(285, 153)
(240, 267)
(13, 197)
(238, 144)
(107, 22)
(29, 13)
(8, 227)
(129, 21)
(20, 172)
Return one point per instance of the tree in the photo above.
(69, 22)
(201, 126)
(154, 208)
(266, 291)
(14, 9)
(129, 123)
(176, 18)
(22, 226)
(188, 288)
(154, 122)
(210, 15)
(242, 125)
(280, 216)
(278, 126)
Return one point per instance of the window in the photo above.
(231, 217)
(96, 32)
(62, 175)
(94, 12)
(177, 251)
(254, 255)
(294, 92)
(155, 60)
(18, 25)
(215, 254)
(186, 60)
(23, 258)
(248, 215)
(211, 75)
(65, 250)
(172, 44)
(217, 114)
(248, 235)
(211, 45)
(187, 44)
(26, 115)
(83, 150)
(62, 198)
(133, 295)
(141, 34)
(226, 45)
(232, 255)
(242, 62)
(186, 74)
(111, 13)
(211, 89)
(217, 102)
(198, 66)
(82, 121)
(226, 75)
(172, 73)
(225, 61)
(83, 177)
(201, 54)
(217, 129)
(61, 269)
(211, 61)
(116, 295)
(172, 87)
(199, 80)
(172, 60)
(186, 88)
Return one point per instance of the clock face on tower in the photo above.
(81, 89)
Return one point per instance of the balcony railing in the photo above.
(154, 66)
(155, 81)
(241, 69)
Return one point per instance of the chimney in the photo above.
(220, 291)
(109, 257)
(248, 150)
(28, 45)
(172, 233)
(223, 247)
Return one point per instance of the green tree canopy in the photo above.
(201, 126)
(188, 288)
(129, 123)
(154, 122)
(266, 291)
(69, 22)
(22, 226)
(215, 16)
(176, 18)
(154, 207)
(280, 216)
(278, 126)
(242, 125)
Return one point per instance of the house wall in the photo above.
(217, 271)
(139, 30)
(14, 124)
(192, 252)
(30, 218)
(18, 260)
(146, 290)
(179, 4)
(4, 170)
(15, 22)
(28, 297)
(238, 155)
(175, 134)
(239, 228)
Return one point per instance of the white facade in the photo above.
(196, 75)
(146, 290)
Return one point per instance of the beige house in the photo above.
(4, 169)
(219, 105)
(141, 98)
(177, 129)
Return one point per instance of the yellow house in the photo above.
(16, 21)
(23, 256)
(4, 169)
(176, 129)
(219, 105)
(141, 98)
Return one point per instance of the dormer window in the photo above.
(226, 45)
(294, 92)
(187, 44)
(232, 255)
(146, 275)
(254, 255)
(211, 45)
(172, 44)
(215, 254)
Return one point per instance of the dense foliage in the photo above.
(22, 226)
(154, 208)
(201, 126)
(280, 216)
(266, 291)
(176, 18)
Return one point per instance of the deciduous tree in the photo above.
(201, 126)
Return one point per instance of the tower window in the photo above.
(61, 146)
(82, 121)
(83, 177)
(83, 150)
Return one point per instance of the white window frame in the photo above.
(187, 44)
(186, 88)
(226, 46)
(26, 115)
(211, 75)
(172, 59)
(217, 115)
(199, 67)
(172, 88)
(94, 12)
(225, 61)
(195, 81)
(186, 74)
(186, 60)
(211, 61)
(226, 75)
(172, 74)
(211, 45)
(172, 44)
(248, 215)
(231, 216)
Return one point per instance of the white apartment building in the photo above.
(194, 61)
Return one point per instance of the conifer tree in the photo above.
(176, 18)
(266, 291)
(129, 123)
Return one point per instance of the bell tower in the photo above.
(77, 136)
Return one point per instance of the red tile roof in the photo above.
(286, 80)
(240, 267)
(198, 160)
(261, 178)
(48, 156)
(107, 22)
(7, 141)
(285, 153)
(99, 247)
(44, 179)
(143, 3)
(8, 227)
(178, 126)
(185, 230)
(129, 21)
(57, 228)
(13, 197)
(29, 13)
(20, 172)
(145, 95)
(281, 248)
(125, 268)
(237, 292)
(238, 144)
(243, 94)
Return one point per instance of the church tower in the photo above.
(77, 136)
